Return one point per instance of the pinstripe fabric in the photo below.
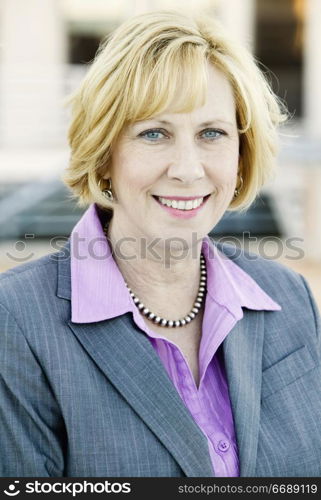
(99, 293)
(94, 399)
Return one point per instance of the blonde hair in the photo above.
(135, 75)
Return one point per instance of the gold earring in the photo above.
(107, 192)
(238, 189)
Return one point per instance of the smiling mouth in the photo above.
(179, 204)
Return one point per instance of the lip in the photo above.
(182, 214)
(181, 198)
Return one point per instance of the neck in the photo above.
(165, 280)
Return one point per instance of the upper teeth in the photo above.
(182, 205)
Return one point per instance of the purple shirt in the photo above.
(99, 293)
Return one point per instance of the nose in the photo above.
(186, 165)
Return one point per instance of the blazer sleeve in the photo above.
(31, 426)
(316, 315)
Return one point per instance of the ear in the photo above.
(240, 166)
(105, 173)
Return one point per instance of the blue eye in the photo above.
(153, 134)
(212, 133)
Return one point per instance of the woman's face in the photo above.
(174, 174)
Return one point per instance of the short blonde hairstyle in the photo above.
(135, 75)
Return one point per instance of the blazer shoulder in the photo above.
(260, 268)
(287, 287)
(28, 270)
(21, 271)
(280, 282)
(25, 284)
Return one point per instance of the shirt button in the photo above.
(223, 445)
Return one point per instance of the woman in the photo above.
(143, 349)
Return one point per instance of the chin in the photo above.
(184, 238)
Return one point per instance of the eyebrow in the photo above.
(203, 124)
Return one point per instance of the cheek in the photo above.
(142, 166)
(224, 170)
(133, 172)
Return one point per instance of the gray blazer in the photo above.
(95, 400)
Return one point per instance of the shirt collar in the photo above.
(230, 286)
(98, 290)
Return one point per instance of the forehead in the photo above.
(219, 89)
(219, 101)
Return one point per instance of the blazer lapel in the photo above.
(129, 361)
(243, 363)
(126, 357)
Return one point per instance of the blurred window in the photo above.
(82, 47)
(279, 46)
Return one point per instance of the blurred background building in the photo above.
(45, 49)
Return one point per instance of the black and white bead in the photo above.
(179, 322)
